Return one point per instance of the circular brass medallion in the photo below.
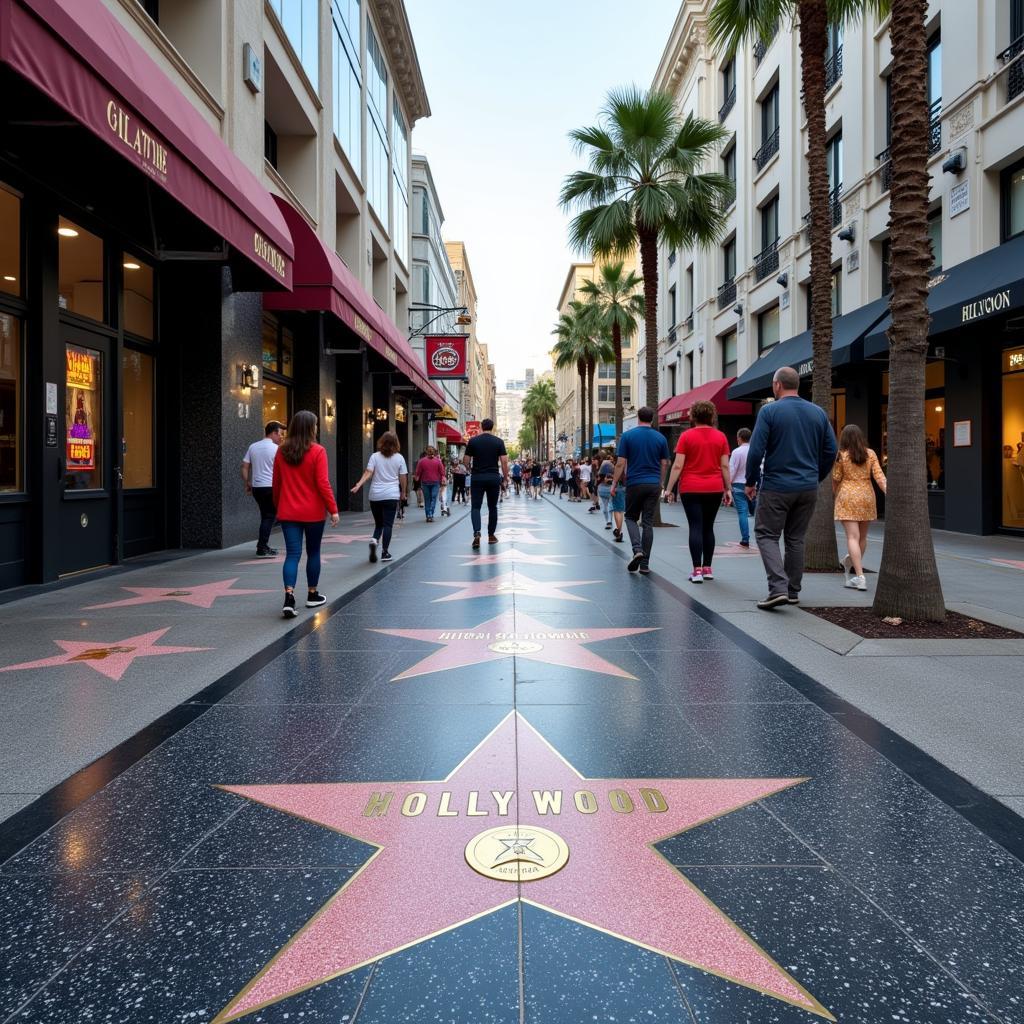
(517, 853)
(515, 647)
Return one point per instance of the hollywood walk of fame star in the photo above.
(513, 634)
(511, 584)
(731, 549)
(522, 537)
(514, 555)
(1010, 563)
(279, 559)
(347, 538)
(111, 659)
(518, 517)
(418, 883)
(201, 595)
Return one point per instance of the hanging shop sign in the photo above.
(472, 428)
(446, 356)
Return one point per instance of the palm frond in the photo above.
(730, 22)
(605, 230)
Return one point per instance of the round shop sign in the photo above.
(444, 359)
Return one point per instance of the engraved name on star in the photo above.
(513, 634)
(201, 595)
(510, 584)
(419, 882)
(111, 658)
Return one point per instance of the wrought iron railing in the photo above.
(767, 261)
(884, 161)
(762, 46)
(730, 102)
(768, 149)
(935, 127)
(688, 324)
(1011, 57)
(834, 68)
(835, 203)
(727, 294)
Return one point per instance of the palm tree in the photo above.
(598, 349)
(908, 581)
(614, 294)
(547, 406)
(572, 348)
(644, 184)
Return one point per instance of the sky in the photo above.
(506, 84)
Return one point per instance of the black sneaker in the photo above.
(635, 561)
(644, 570)
(373, 550)
(386, 556)
(617, 534)
(607, 526)
(265, 553)
(288, 610)
(792, 599)
(314, 599)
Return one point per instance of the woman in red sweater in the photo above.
(702, 468)
(302, 494)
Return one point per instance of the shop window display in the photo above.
(11, 386)
(1013, 438)
(934, 423)
(138, 297)
(137, 384)
(84, 419)
(10, 242)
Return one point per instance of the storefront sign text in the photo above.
(960, 198)
(269, 254)
(81, 370)
(1013, 360)
(361, 327)
(151, 154)
(986, 306)
(805, 369)
(472, 428)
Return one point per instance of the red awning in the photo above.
(677, 408)
(449, 434)
(322, 281)
(80, 56)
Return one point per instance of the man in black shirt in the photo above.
(488, 462)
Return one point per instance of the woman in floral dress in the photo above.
(856, 466)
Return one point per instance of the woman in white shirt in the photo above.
(389, 476)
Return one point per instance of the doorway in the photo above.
(1013, 439)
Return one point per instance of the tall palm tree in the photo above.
(599, 349)
(619, 306)
(908, 581)
(547, 406)
(572, 349)
(645, 183)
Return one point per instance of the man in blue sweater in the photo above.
(798, 446)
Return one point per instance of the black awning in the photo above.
(980, 288)
(848, 332)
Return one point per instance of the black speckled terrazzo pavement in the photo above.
(564, 796)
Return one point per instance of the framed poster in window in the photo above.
(961, 433)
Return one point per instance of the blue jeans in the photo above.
(744, 510)
(293, 534)
(429, 497)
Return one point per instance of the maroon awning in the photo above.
(677, 408)
(321, 281)
(80, 56)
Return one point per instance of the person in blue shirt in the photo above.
(796, 443)
(642, 457)
(517, 476)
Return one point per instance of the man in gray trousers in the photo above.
(798, 446)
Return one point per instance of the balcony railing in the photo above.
(835, 203)
(1011, 57)
(884, 161)
(768, 149)
(762, 45)
(935, 127)
(727, 294)
(730, 102)
(834, 68)
(767, 261)
(672, 335)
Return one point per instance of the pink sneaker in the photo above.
(707, 573)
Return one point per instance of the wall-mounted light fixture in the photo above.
(848, 234)
(328, 409)
(369, 418)
(956, 162)
(248, 376)
(738, 309)
(783, 279)
(381, 415)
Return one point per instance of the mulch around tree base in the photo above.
(864, 623)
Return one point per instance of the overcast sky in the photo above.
(506, 83)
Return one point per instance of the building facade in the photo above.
(508, 418)
(206, 231)
(477, 394)
(723, 311)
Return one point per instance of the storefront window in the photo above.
(277, 400)
(80, 271)
(1013, 202)
(278, 348)
(84, 418)
(11, 386)
(138, 406)
(1013, 438)
(934, 423)
(10, 242)
(138, 297)
(838, 417)
(729, 355)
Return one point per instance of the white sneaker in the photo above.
(696, 576)
(856, 583)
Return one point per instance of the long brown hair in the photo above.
(301, 437)
(388, 444)
(851, 441)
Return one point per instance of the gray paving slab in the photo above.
(10, 803)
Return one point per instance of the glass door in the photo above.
(1013, 438)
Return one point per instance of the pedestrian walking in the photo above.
(429, 474)
(442, 493)
(595, 466)
(488, 460)
(536, 471)
(584, 478)
(642, 459)
(517, 477)
(459, 483)
(612, 507)
(574, 481)
(795, 440)
(302, 495)
(417, 490)
(258, 474)
(855, 507)
(702, 468)
(738, 480)
(389, 479)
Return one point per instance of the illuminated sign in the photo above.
(472, 428)
(81, 369)
(1013, 360)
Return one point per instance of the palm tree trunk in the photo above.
(617, 343)
(821, 551)
(581, 369)
(591, 367)
(908, 582)
(649, 272)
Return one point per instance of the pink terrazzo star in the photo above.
(279, 559)
(729, 550)
(518, 517)
(515, 556)
(510, 584)
(514, 635)
(347, 538)
(418, 883)
(1008, 562)
(518, 536)
(111, 659)
(201, 595)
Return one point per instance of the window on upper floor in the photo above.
(770, 223)
(689, 371)
(886, 266)
(935, 238)
(400, 182)
(935, 69)
(377, 139)
(300, 20)
(1016, 19)
(729, 163)
(729, 260)
(688, 293)
(269, 145)
(1012, 183)
(672, 306)
(606, 371)
(728, 89)
(834, 56)
(767, 330)
(834, 158)
(729, 354)
(347, 71)
(770, 113)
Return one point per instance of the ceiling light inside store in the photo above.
(938, 408)
(131, 266)
(10, 277)
(67, 232)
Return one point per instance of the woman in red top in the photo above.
(302, 493)
(702, 468)
(430, 474)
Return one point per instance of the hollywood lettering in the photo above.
(268, 253)
(152, 154)
(985, 306)
(498, 803)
